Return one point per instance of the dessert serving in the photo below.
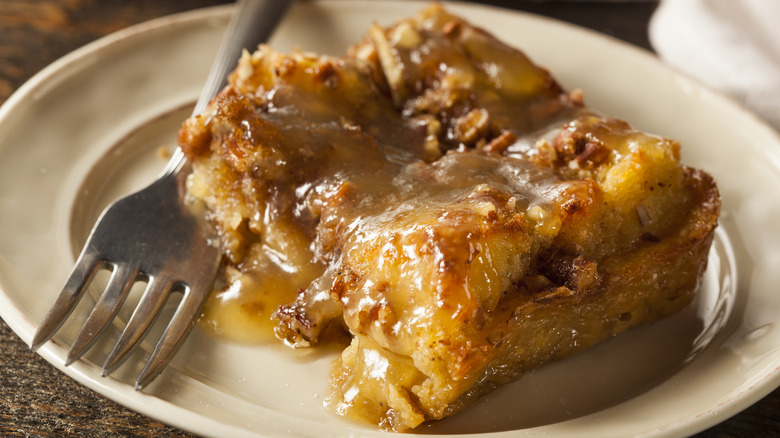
(441, 202)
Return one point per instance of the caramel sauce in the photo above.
(341, 169)
(342, 161)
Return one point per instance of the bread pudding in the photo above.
(441, 201)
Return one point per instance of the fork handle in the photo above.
(253, 22)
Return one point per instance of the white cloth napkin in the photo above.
(730, 45)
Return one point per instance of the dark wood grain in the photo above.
(36, 400)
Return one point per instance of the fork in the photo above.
(154, 236)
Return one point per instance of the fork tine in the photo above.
(175, 334)
(144, 315)
(83, 272)
(105, 309)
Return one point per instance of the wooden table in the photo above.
(38, 400)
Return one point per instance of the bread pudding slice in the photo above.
(443, 201)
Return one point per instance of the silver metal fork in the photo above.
(153, 236)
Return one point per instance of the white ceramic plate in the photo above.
(88, 128)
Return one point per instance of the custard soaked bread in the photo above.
(441, 199)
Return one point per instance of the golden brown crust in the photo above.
(443, 200)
